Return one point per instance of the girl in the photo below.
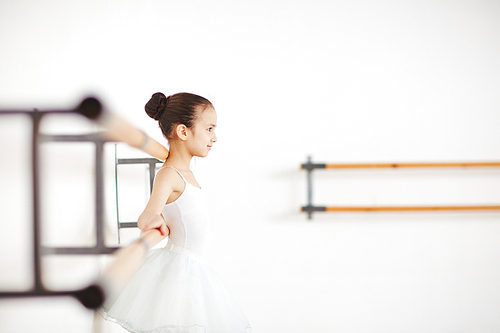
(174, 290)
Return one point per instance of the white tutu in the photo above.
(174, 291)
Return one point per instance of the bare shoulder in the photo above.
(168, 177)
(167, 184)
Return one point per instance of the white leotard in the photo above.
(188, 220)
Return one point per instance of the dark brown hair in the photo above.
(175, 110)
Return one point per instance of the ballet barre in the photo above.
(310, 208)
(151, 162)
(118, 129)
(128, 258)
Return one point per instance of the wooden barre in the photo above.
(309, 166)
(398, 208)
(127, 261)
(400, 165)
(414, 165)
(120, 130)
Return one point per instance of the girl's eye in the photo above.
(210, 129)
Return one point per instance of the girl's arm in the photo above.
(167, 182)
(153, 230)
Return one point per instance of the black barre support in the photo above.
(92, 296)
(36, 118)
(151, 162)
(100, 248)
(311, 209)
(309, 167)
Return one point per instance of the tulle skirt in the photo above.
(174, 291)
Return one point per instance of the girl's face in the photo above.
(203, 133)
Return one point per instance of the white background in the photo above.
(341, 81)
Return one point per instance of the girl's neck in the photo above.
(179, 158)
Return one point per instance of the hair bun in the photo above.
(156, 105)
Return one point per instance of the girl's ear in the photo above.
(182, 132)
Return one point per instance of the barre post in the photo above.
(310, 208)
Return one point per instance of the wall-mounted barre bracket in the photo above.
(309, 166)
(311, 209)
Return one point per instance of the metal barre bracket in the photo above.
(93, 295)
(151, 162)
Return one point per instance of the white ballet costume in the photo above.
(175, 290)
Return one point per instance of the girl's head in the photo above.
(174, 110)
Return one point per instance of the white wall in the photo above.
(343, 81)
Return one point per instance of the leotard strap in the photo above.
(180, 174)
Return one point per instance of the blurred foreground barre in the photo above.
(117, 129)
(127, 259)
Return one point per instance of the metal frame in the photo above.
(100, 247)
(93, 295)
(151, 162)
(310, 208)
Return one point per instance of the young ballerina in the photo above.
(175, 290)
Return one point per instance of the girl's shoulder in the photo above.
(168, 175)
(187, 177)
